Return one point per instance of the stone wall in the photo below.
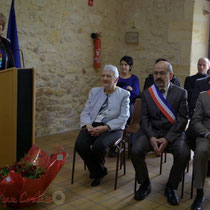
(200, 33)
(165, 30)
(55, 38)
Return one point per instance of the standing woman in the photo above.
(129, 81)
(6, 55)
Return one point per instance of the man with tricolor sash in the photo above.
(163, 121)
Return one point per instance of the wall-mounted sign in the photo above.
(132, 37)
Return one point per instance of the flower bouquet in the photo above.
(24, 183)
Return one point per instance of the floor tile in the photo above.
(80, 195)
(83, 203)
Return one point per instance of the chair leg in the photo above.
(117, 168)
(191, 193)
(73, 166)
(121, 155)
(135, 183)
(129, 146)
(124, 158)
(165, 157)
(183, 179)
(188, 167)
(161, 163)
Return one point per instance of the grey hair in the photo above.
(204, 58)
(113, 69)
(3, 19)
(170, 68)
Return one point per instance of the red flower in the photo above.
(25, 168)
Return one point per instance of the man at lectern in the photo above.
(6, 55)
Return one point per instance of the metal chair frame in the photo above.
(121, 161)
(134, 125)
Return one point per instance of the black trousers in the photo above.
(179, 149)
(92, 149)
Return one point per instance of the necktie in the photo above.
(162, 91)
(104, 106)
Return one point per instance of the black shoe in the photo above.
(142, 192)
(170, 193)
(104, 172)
(112, 152)
(198, 202)
(92, 176)
(97, 180)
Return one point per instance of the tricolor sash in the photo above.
(162, 104)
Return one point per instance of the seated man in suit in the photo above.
(203, 65)
(201, 125)
(163, 120)
(102, 121)
(202, 84)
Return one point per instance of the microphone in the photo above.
(22, 57)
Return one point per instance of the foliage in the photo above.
(25, 168)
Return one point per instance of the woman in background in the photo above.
(129, 82)
(6, 55)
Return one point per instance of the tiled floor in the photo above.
(81, 195)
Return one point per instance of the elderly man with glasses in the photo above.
(164, 117)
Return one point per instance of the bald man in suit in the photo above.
(200, 85)
(201, 125)
(160, 133)
(202, 65)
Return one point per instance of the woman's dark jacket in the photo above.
(8, 58)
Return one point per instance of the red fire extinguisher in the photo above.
(97, 49)
(90, 3)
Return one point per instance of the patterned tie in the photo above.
(104, 105)
(162, 91)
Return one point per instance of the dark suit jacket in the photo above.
(189, 84)
(154, 123)
(9, 59)
(201, 117)
(200, 85)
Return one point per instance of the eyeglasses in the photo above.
(162, 73)
(107, 76)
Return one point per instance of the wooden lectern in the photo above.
(17, 113)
